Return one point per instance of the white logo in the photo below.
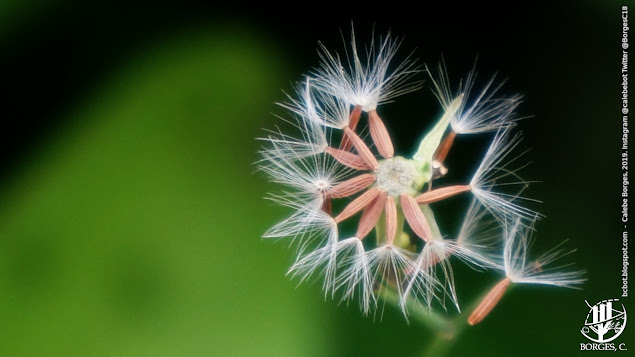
(604, 322)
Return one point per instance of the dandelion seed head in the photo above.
(332, 174)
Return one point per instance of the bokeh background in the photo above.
(131, 215)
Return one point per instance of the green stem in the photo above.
(435, 321)
(440, 345)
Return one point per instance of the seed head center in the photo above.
(396, 176)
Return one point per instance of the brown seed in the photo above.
(348, 159)
(487, 304)
(380, 135)
(444, 147)
(415, 217)
(441, 194)
(371, 215)
(327, 206)
(391, 220)
(361, 147)
(358, 204)
(356, 113)
(351, 186)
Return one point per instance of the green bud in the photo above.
(430, 143)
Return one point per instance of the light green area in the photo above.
(136, 231)
(434, 227)
(430, 143)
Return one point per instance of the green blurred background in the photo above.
(131, 216)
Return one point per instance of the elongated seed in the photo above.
(391, 220)
(362, 149)
(444, 148)
(441, 194)
(415, 217)
(358, 204)
(348, 159)
(380, 135)
(327, 206)
(487, 304)
(351, 186)
(371, 215)
(356, 113)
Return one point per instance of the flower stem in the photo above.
(442, 326)
(441, 345)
